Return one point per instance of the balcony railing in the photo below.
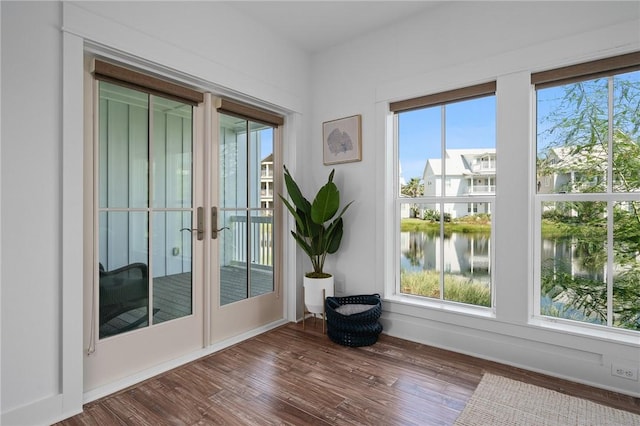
(483, 167)
(259, 233)
(482, 189)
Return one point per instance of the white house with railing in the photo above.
(466, 172)
(266, 182)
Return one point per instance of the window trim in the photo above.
(437, 99)
(607, 67)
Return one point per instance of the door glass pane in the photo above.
(246, 199)
(123, 147)
(233, 256)
(124, 277)
(233, 162)
(261, 170)
(172, 153)
(172, 230)
(172, 265)
(261, 240)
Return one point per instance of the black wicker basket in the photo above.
(355, 339)
(358, 329)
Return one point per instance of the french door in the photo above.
(183, 250)
(245, 289)
(145, 300)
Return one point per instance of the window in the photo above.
(588, 193)
(446, 151)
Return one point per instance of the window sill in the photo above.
(423, 308)
(441, 305)
(585, 330)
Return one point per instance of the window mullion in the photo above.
(610, 129)
(610, 265)
(150, 203)
(610, 203)
(443, 188)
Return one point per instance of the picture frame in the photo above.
(342, 140)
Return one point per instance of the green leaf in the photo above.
(295, 194)
(326, 203)
(335, 237)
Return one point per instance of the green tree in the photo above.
(414, 188)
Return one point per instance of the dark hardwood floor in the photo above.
(293, 376)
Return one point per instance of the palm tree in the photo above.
(413, 189)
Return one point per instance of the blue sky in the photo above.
(469, 124)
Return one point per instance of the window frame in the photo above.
(601, 68)
(422, 102)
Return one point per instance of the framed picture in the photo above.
(341, 140)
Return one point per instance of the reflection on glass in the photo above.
(574, 261)
(439, 250)
(172, 153)
(172, 265)
(626, 274)
(123, 147)
(123, 270)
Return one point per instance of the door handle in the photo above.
(200, 224)
(214, 223)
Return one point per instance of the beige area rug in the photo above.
(499, 401)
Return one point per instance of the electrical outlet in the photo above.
(339, 286)
(624, 371)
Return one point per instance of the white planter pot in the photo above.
(313, 296)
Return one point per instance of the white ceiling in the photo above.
(318, 25)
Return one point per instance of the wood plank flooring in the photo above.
(291, 376)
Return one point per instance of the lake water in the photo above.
(469, 255)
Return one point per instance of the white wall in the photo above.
(447, 47)
(42, 46)
(31, 207)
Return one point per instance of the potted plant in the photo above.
(319, 229)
